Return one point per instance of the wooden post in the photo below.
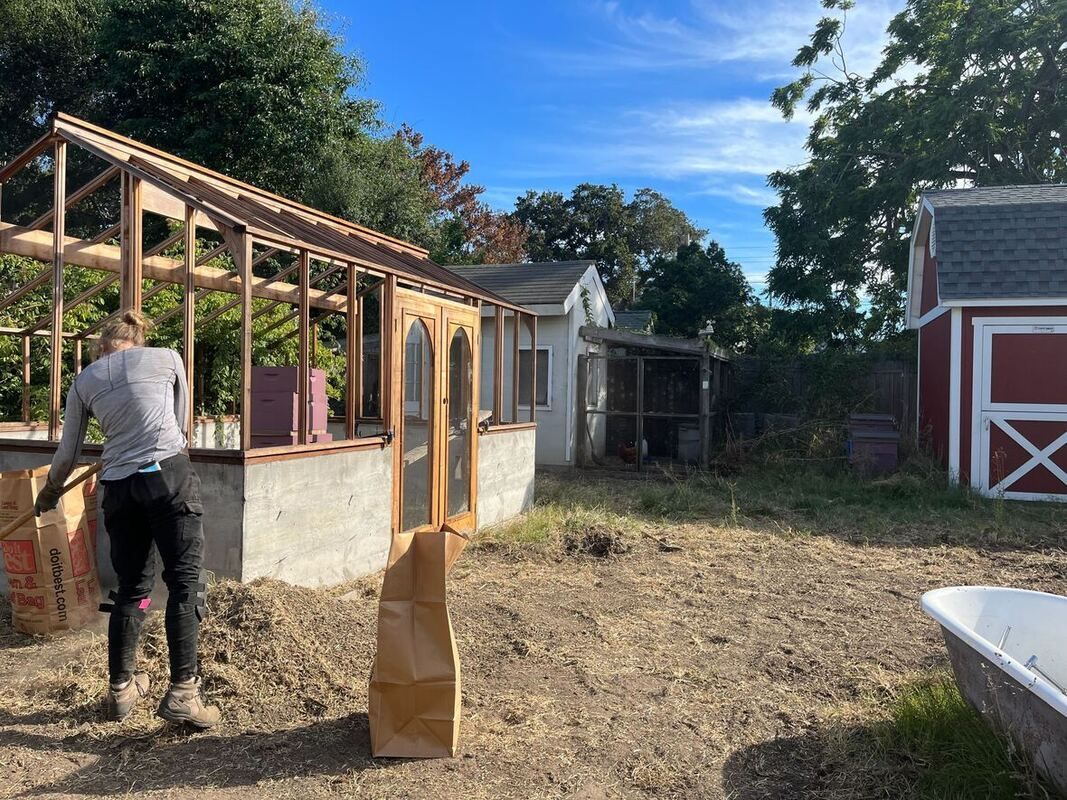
(26, 378)
(353, 353)
(243, 262)
(132, 243)
(59, 222)
(189, 311)
(77, 356)
(705, 411)
(303, 371)
(532, 323)
(516, 327)
(582, 428)
(315, 343)
(388, 363)
(498, 366)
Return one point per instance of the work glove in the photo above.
(47, 499)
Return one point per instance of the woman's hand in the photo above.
(47, 499)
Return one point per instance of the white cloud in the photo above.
(747, 195)
(766, 32)
(745, 138)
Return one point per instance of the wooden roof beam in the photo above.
(78, 252)
(76, 197)
(218, 312)
(26, 156)
(33, 283)
(92, 291)
(96, 326)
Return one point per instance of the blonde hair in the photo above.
(127, 328)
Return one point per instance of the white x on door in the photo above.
(1020, 389)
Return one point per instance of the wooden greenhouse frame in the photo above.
(250, 225)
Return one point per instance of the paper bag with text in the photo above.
(50, 562)
(414, 698)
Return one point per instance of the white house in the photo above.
(566, 295)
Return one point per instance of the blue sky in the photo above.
(671, 94)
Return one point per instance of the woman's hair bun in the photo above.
(136, 319)
(128, 328)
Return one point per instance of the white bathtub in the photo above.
(1008, 649)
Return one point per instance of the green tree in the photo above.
(596, 222)
(697, 286)
(966, 91)
(257, 89)
(47, 62)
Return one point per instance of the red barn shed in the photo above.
(987, 291)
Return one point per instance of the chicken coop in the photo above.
(649, 402)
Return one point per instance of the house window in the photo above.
(415, 390)
(544, 377)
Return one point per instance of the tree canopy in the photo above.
(597, 222)
(257, 89)
(965, 91)
(697, 286)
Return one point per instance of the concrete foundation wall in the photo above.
(318, 521)
(505, 474)
(221, 492)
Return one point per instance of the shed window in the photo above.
(544, 377)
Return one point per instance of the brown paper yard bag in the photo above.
(50, 561)
(414, 698)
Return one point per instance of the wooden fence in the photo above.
(776, 393)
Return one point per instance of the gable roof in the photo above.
(1003, 241)
(640, 320)
(269, 218)
(536, 283)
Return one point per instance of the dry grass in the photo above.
(614, 645)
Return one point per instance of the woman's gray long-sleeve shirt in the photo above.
(140, 398)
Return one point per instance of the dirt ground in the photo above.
(709, 660)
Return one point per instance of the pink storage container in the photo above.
(284, 379)
(287, 439)
(278, 412)
(273, 439)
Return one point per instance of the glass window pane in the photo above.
(417, 433)
(543, 364)
(372, 355)
(460, 423)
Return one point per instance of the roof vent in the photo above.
(933, 241)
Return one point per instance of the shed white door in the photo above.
(1021, 404)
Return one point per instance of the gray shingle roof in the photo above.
(540, 283)
(633, 320)
(1002, 241)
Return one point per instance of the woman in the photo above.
(151, 497)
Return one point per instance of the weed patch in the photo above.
(950, 749)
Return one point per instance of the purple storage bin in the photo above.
(284, 379)
(287, 439)
(273, 439)
(274, 412)
(277, 412)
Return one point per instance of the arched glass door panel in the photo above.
(417, 436)
(460, 424)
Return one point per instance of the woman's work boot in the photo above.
(184, 702)
(122, 699)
